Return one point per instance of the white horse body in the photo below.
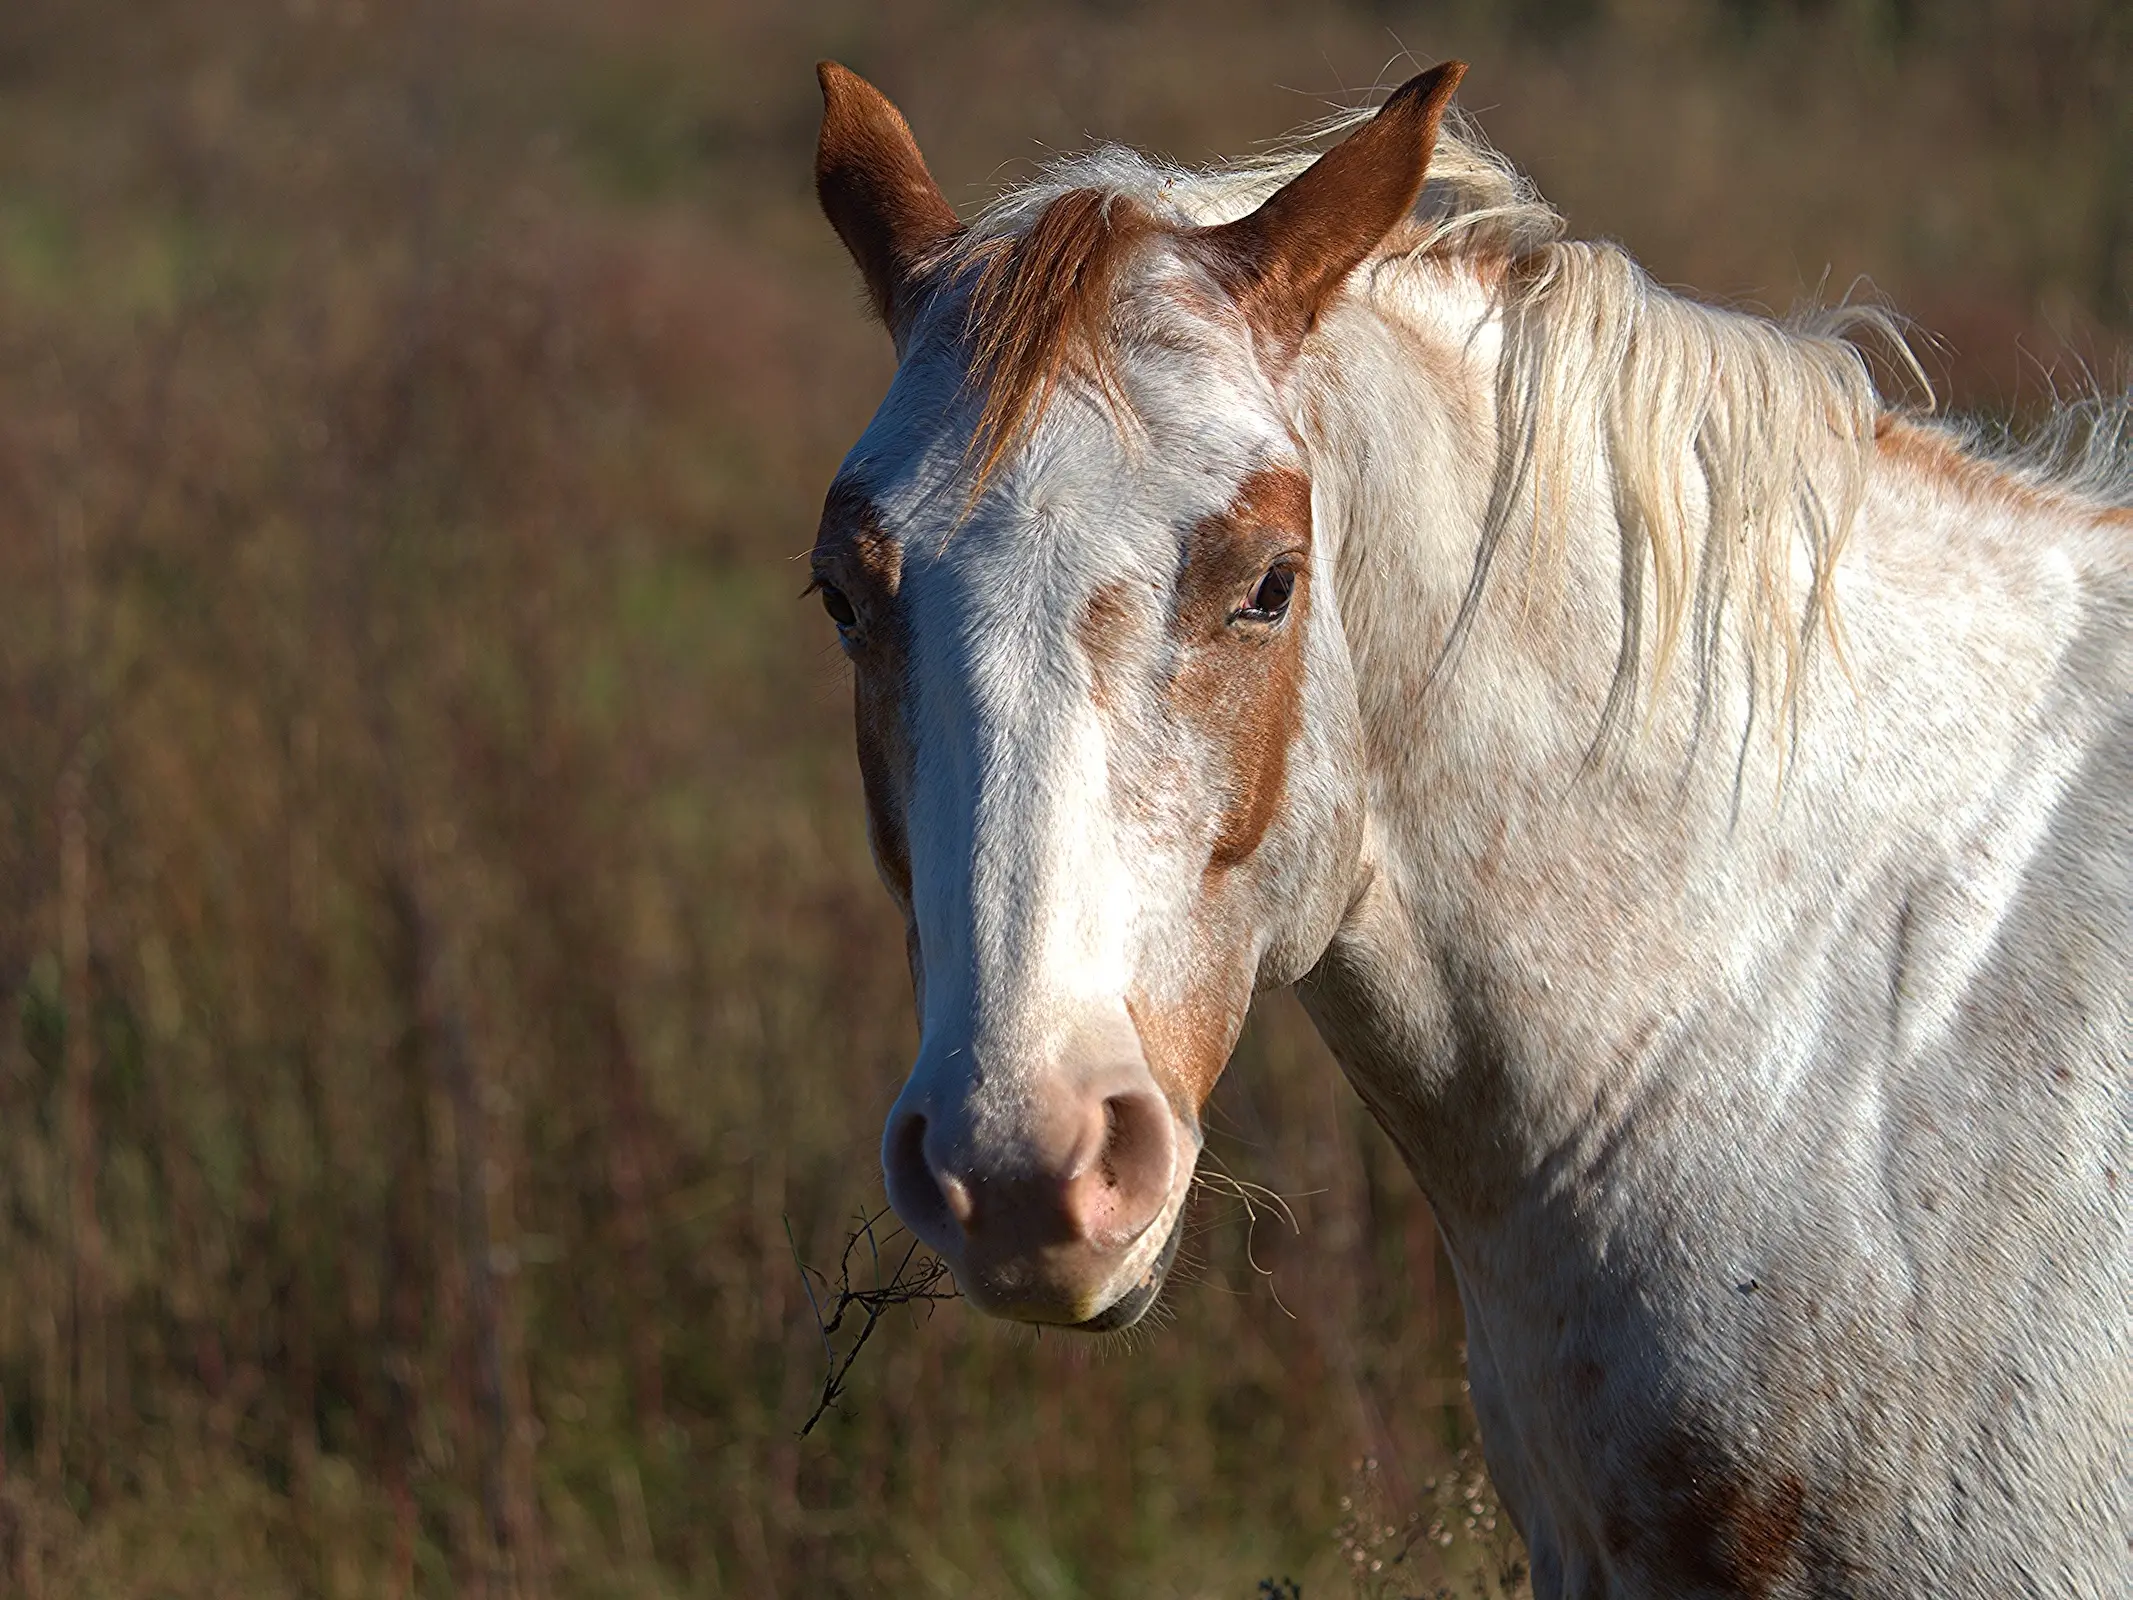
(1693, 800)
(1779, 1124)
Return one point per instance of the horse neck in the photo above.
(1550, 936)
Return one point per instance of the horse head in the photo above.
(1106, 720)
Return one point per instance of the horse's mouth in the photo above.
(1131, 1306)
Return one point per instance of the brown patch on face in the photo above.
(1238, 690)
(1241, 687)
(1187, 1043)
(1102, 631)
(854, 551)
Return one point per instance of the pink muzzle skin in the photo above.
(1036, 1222)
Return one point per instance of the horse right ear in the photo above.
(877, 193)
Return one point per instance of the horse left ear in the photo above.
(1287, 259)
(877, 193)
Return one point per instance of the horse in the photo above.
(1689, 792)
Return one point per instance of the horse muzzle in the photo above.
(1058, 1203)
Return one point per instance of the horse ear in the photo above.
(1285, 261)
(876, 191)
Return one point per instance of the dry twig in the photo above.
(919, 1278)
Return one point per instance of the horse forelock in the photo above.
(1040, 307)
(1039, 273)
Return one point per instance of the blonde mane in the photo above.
(1735, 446)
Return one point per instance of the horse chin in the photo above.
(1131, 1306)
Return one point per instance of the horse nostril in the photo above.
(1124, 1189)
(913, 1190)
(935, 1204)
(1121, 1135)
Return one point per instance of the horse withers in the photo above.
(1692, 796)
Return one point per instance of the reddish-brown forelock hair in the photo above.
(1041, 300)
(1040, 305)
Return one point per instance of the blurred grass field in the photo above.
(448, 983)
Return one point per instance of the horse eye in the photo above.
(839, 608)
(1270, 596)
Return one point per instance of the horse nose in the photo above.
(1035, 1219)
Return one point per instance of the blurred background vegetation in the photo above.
(446, 984)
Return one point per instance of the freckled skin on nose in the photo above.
(1106, 622)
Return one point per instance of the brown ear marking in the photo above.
(876, 191)
(1287, 259)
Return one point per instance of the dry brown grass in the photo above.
(436, 915)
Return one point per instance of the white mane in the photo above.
(2085, 448)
